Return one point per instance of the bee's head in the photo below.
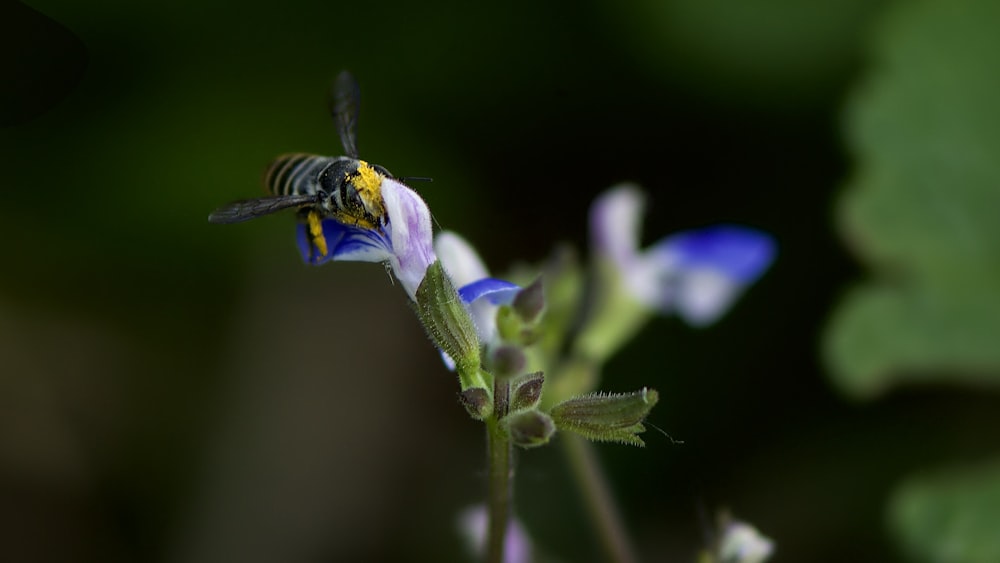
(352, 192)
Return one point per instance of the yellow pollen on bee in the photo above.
(316, 231)
(368, 182)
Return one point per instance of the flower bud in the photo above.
(530, 301)
(509, 325)
(446, 320)
(606, 417)
(507, 361)
(530, 428)
(526, 392)
(477, 402)
(512, 328)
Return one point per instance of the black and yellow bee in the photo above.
(344, 188)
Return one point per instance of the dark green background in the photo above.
(179, 391)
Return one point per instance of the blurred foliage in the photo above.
(950, 515)
(921, 211)
(922, 207)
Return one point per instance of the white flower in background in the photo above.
(403, 241)
(742, 543)
(698, 274)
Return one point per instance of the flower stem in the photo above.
(597, 495)
(501, 472)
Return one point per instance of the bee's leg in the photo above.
(316, 233)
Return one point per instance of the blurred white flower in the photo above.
(742, 543)
(472, 523)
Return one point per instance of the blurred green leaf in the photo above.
(922, 208)
(949, 516)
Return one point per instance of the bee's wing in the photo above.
(344, 101)
(246, 209)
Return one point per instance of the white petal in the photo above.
(410, 233)
(702, 296)
(742, 543)
(459, 259)
(615, 219)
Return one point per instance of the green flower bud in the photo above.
(530, 428)
(512, 328)
(526, 392)
(448, 324)
(509, 325)
(606, 417)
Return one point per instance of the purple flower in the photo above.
(403, 241)
(472, 524)
(698, 274)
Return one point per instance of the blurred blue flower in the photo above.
(404, 241)
(698, 274)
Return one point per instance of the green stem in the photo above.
(501, 472)
(597, 495)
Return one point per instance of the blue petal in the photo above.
(739, 253)
(495, 291)
(310, 254)
(344, 242)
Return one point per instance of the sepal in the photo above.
(606, 417)
(448, 324)
(526, 391)
(477, 402)
(514, 329)
(530, 428)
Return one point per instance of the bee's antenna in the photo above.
(406, 179)
(436, 222)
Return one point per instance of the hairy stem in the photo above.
(501, 472)
(597, 495)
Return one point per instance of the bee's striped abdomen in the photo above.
(295, 174)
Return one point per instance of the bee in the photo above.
(344, 188)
